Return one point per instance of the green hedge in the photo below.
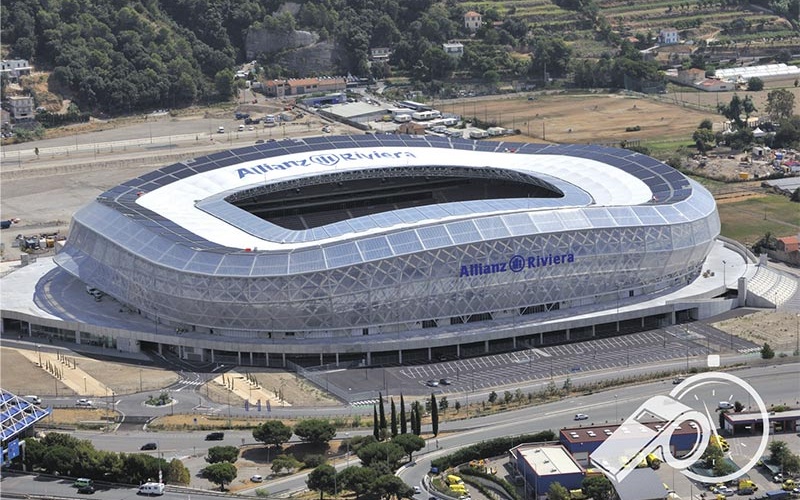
(490, 448)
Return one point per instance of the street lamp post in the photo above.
(347, 457)
(616, 414)
(39, 352)
(725, 275)
(797, 338)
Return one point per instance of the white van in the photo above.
(151, 489)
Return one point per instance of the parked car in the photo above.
(432, 383)
(83, 481)
(215, 436)
(86, 490)
(33, 399)
(581, 416)
(256, 478)
(445, 381)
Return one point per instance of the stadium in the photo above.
(388, 248)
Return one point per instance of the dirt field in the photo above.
(584, 118)
(278, 387)
(20, 376)
(779, 329)
(89, 377)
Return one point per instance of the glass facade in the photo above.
(410, 267)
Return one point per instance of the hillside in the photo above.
(125, 56)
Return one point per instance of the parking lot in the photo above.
(475, 374)
(741, 451)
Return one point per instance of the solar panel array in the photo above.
(17, 415)
(176, 246)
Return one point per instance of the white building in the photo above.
(453, 49)
(15, 68)
(668, 36)
(21, 107)
(473, 20)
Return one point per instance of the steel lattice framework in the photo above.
(171, 244)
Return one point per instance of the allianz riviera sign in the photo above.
(515, 264)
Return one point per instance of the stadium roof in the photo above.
(178, 216)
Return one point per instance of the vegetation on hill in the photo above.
(120, 56)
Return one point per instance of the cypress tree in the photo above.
(382, 411)
(394, 417)
(403, 423)
(434, 415)
(418, 417)
(375, 430)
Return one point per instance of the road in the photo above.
(776, 384)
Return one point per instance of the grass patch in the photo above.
(748, 220)
(663, 149)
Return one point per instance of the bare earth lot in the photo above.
(21, 374)
(585, 118)
(778, 328)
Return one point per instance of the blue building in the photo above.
(542, 465)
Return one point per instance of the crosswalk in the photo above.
(365, 402)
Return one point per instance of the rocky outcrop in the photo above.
(261, 41)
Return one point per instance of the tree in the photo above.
(409, 443)
(382, 415)
(736, 108)
(389, 485)
(322, 479)
(737, 407)
(795, 195)
(767, 352)
(706, 124)
(780, 104)
(223, 82)
(434, 415)
(218, 454)
(791, 464)
(284, 462)
(393, 418)
(272, 433)
(457, 405)
(755, 84)
(359, 480)
(704, 139)
(778, 451)
(315, 431)
(597, 487)
(376, 432)
(220, 473)
(444, 404)
(492, 397)
(557, 492)
(712, 454)
(384, 454)
(176, 472)
(418, 417)
(403, 422)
